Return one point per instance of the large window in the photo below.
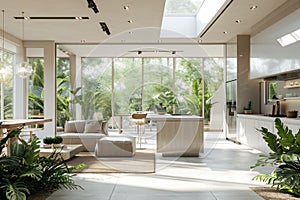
(158, 87)
(36, 88)
(96, 88)
(112, 88)
(128, 85)
(7, 85)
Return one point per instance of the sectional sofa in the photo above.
(85, 132)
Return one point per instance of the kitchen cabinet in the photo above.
(248, 133)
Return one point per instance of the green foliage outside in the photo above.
(95, 94)
(273, 90)
(285, 156)
(25, 173)
(8, 88)
(193, 77)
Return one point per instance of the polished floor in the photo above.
(222, 172)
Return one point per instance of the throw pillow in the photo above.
(74, 126)
(93, 126)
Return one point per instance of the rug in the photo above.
(272, 193)
(142, 162)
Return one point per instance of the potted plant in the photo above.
(248, 109)
(52, 142)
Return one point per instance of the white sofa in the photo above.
(85, 132)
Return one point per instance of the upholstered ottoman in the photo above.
(115, 146)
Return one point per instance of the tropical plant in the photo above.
(25, 172)
(285, 156)
(63, 99)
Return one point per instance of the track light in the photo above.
(92, 5)
(139, 52)
(104, 27)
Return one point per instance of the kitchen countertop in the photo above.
(270, 118)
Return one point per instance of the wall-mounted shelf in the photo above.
(292, 83)
(292, 98)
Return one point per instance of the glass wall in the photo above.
(7, 85)
(112, 88)
(63, 112)
(158, 84)
(96, 88)
(36, 88)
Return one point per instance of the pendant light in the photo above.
(24, 69)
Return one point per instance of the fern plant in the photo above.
(285, 156)
(25, 172)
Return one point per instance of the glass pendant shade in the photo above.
(24, 70)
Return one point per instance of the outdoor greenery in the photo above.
(285, 156)
(130, 95)
(8, 88)
(25, 173)
(36, 85)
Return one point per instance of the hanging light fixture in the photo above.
(24, 69)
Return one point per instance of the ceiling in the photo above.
(146, 19)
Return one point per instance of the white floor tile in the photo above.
(222, 172)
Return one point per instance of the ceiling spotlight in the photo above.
(225, 32)
(139, 52)
(92, 5)
(238, 21)
(130, 21)
(126, 7)
(104, 27)
(173, 52)
(253, 7)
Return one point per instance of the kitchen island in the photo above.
(179, 135)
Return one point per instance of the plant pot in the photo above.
(248, 111)
(47, 146)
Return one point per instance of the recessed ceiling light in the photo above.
(123, 41)
(130, 21)
(253, 7)
(225, 32)
(126, 7)
(238, 21)
(130, 32)
(78, 18)
(83, 41)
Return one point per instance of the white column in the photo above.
(49, 83)
(50, 88)
(20, 90)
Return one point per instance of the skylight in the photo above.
(182, 6)
(289, 38)
(188, 18)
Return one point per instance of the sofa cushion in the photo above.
(74, 126)
(93, 126)
(76, 135)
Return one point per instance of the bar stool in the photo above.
(139, 119)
